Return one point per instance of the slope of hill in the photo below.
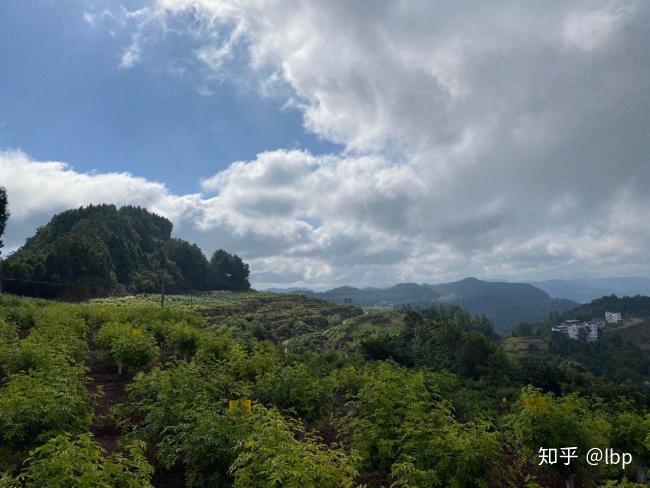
(586, 290)
(504, 304)
(93, 250)
(636, 306)
(398, 295)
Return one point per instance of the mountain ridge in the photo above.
(504, 304)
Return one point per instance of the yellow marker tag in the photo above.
(244, 407)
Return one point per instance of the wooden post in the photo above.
(162, 289)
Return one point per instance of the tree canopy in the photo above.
(91, 251)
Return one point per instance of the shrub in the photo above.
(127, 346)
(272, 456)
(68, 462)
(36, 406)
(165, 398)
(8, 337)
(296, 388)
(183, 338)
(206, 444)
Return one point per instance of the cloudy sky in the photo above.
(335, 142)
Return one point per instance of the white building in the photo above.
(613, 317)
(592, 329)
(576, 330)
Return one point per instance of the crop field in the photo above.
(262, 390)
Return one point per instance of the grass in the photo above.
(638, 333)
(525, 346)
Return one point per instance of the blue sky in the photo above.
(64, 98)
(331, 142)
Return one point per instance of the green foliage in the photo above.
(206, 442)
(451, 410)
(66, 462)
(87, 252)
(45, 391)
(127, 346)
(183, 338)
(631, 433)
(543, 420)
(637, 306)
(272, 457)
(296, 389)
(228, 272)
(36, 406)
(164, 398)
(8, 337)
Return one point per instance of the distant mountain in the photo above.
(398, 295)
(586, 290)
(96, 250)
(504, 304)
(291, 289)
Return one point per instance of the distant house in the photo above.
(613, 317)
(592, 330)
(580, 331)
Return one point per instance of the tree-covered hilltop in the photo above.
(96, 250)
(637, 306)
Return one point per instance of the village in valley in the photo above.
(589, 330)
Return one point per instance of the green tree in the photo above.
(549, 422)
(191, 262)
(228, 272)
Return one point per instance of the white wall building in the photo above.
(613, 317)
(592, 329)
(576, 330)
(573, 331)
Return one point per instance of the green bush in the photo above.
(8, 337)
(66, 462)
(205, 443)
(36, 406)
(183, 338)
(165, 398)
(297, 389)
(272, 456)
(129, 347)
(35, 355)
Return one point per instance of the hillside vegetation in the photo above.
(504, 304)
(637, 306)
(259, 390)
(91, 251)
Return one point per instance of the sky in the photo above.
(333, 142)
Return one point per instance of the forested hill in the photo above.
(504, 304)
(92, 251)
(636, 306)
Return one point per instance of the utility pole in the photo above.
(162, 289)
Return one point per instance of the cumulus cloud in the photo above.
(494, 139)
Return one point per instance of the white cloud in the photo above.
(589, 29)
(131, 56)
(500, 138)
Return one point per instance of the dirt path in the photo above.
(111, 388)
